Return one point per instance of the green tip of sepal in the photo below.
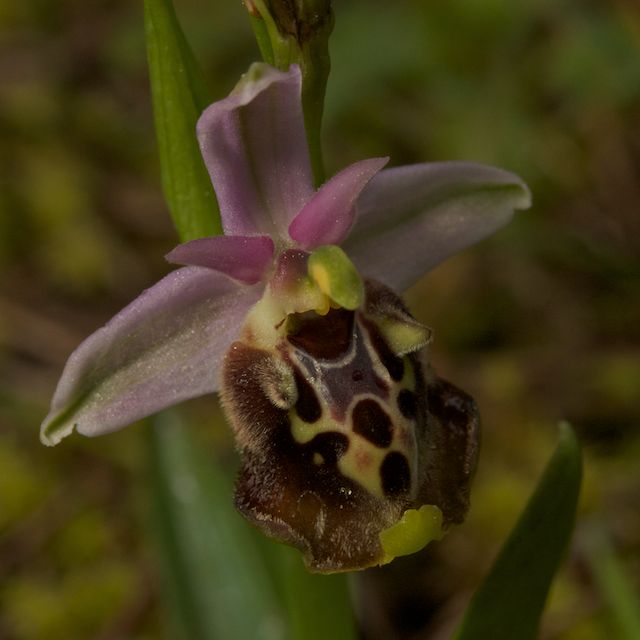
(336, 276)
(412, 532)
(61, 423)
(52, 433)
(250, 81)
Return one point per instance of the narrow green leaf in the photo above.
(509, 603)
(217, 584)
(614, 584)
(179, 96)
(318, 606)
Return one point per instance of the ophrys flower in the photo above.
(352, 448)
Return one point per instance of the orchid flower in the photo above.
(353, 450)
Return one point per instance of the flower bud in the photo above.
(302, 19)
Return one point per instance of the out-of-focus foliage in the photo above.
(510, 601)
(214, 575)
(615, 585)
(539, 323)
(179, 94)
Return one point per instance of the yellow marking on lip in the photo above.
(409, 378)
(361, 463)
(302, 431)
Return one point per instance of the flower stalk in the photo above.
(297, 32)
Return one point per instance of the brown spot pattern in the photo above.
(395, 474)
(307, 406)
(295, 491)
(331, 445)
(408, 404)
(372, 423)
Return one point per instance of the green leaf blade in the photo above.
(217, 585)
(510, 602)
(614, 584)
(179, 96)
(318, 606)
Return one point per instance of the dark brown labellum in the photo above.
(340, 435)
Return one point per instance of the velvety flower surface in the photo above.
(352, 448)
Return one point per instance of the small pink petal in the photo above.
(329, 215)
(244, 258)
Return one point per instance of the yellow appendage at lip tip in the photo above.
(412, 532)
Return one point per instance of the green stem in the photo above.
(296, 40)
(315, 66)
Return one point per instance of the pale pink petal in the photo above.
(165, 347)
(328, 216)
(409, 219)
(255, 148)
(244, 258)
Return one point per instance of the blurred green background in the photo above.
(539, 323)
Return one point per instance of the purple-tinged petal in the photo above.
(165, 347)
(244, 258)
(255, 148)
(409, 219)
(329, 215)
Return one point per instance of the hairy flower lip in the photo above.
(343, 442)
(394, 224)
